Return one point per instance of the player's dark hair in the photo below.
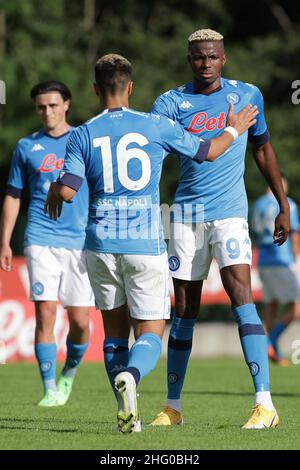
(112, 74)
(51, 85)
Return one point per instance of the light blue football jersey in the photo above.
(264, 212)
(216, 188)
(121, 152)
(37, 161)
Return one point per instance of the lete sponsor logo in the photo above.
(51, 163)
(201, 123)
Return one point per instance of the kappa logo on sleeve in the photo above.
(186, 105)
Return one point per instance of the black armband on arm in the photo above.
(203, 150)
(16, 193)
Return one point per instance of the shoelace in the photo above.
(255, 414)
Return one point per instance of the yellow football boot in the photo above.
(168, 417)
(261, 418)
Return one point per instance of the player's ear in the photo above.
(67, 105)
(130, 87)
(189, 58)
(224, 59)
(96, 89)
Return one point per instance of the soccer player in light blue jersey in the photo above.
(121, 152)
(53, 251)
(213, 220)
(277, 269)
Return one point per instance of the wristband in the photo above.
(232, 131)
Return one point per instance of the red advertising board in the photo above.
(17, 314)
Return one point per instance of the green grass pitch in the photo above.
(217, 400)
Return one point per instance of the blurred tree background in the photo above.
(60, 39)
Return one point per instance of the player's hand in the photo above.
(242, 120)
(282, 228)
(6, 258)
(53, 204)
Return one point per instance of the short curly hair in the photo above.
(112, 73)
(205, 35)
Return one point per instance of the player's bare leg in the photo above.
(141, 327)
(79, 331)
(187, 304)
(45, 316)
(77, 344)
(116, 322)
(187, 298)
(237, 283)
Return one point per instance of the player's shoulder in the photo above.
(160, 121)
(31, 142)
(79, 136)
(114, 114)
(136, 114)
(91, 121)
(239, 86)
(177, 93)
(86, 127)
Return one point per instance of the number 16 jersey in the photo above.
(121, 152)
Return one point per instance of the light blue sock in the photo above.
(143, 355)
(115, 357)
(254, 344)
(75, 353)
(274, 335)
(179, 351)
(46, 357)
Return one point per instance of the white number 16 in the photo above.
(124, 155)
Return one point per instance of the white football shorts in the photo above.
(280, 283)
(58, 274)
(140, 280)
(192, 247)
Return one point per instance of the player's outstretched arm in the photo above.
(10, 211)
(266, 161)
(57, 194)
(237, 124)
